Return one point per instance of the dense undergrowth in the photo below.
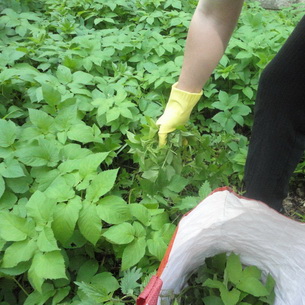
(88, 201)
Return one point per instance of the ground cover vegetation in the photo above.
(88, 202)
(223, 280)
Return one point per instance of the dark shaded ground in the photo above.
(294, 204)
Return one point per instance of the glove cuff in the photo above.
(187, 98)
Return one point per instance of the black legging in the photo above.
(278, 135)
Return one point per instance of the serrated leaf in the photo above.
(98, 294)
(89, 223)
(133, 253)
(17, 252)
(205, 190)
(8, 133)
(188, 203)
(65, 219)
(121, 234)
(130, 280)
(102, 184)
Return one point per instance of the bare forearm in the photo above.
(209, 33)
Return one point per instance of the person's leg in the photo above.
(278, 134)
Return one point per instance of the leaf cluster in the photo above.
(88, 201)
(223, 280)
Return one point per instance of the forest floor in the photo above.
(294, 204)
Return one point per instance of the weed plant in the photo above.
(88, 201)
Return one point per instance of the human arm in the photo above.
(210, 31)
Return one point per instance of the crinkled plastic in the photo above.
(226, 222)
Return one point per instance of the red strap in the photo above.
(150, 294)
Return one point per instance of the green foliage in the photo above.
(88, 201)
(224, 280)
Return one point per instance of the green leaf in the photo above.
(205, 190)
(61, 293)
(81, 133)
(97, 294)
(248, 92)
(11, 168)
(17, 252)
(157, 247)
(270, 283)
(41, 119)
(230, 297)
(51, 95)
(2, 186)
(48, 265)
(61, 189)
(140, 212)
(214, 284)
(87, 270)
(64, 74)
(7, 200)
(14, 228)
(40, 208)
(8, 133)
(251, 271)
(252, 286)
(36, 297)
(46, 241)
(17, 270)
(133, 253)
(65, 219)
(44, 152)
(90, 163)
(121, 234)
(105, 280)
(82, 78)
(234, 268)
(129, 280)
(178, 184)
(102, 184)
(89, 222)
(113, 210)
(212, 300)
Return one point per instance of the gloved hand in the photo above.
(177, 111)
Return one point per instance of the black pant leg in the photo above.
(278, 134)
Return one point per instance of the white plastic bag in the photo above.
(226, 222)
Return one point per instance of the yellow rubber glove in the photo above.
(177, 111)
